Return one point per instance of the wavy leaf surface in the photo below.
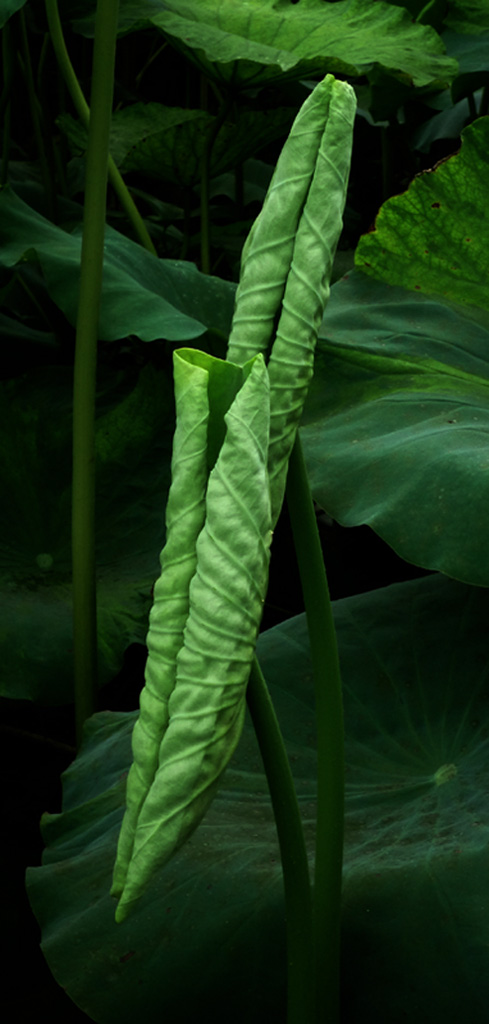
(433, 238)
(415, 882)
(258, 41)
(206, 615)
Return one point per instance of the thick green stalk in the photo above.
(83, 111)
(84, 386)
(298, 905)
(330, 740)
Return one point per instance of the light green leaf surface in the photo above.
(206, 615)
(185, 514)
(434, 237)
(258, 41)
(133, 440)
(414, 926)
(142, 295)
(396, 425)
(287, 262)
(291, 364)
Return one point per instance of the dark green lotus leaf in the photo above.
(416, 886)
(7, 8)
(470, 51)
(260, 41)
(433, 238)
(133, 441)
(169, 142)
(396, 426)
(142, 295)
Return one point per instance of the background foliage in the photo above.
(395, 437)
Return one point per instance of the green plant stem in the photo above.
(298, 904)
(83, 511)
(330, 739)
(83, 111)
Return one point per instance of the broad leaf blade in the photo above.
(433, 238)
(261, 41)
(415, 931)
(142, 295)
(403, 444)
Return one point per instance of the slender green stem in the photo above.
(422, 15)
(330, 739)
(83, 512)
(83, 111)
(298, 906)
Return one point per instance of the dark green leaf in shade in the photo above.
(468, 16)
(142, 295)
(396, 425)
(169, 142)
(8, 8)
(415, 929)
(133, 439)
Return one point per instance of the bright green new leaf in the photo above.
(434, 237)
(206, 615)
(287, 262)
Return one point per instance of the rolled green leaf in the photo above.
(185, 515)
(204, 704)
(307, 289)
(287, 262)
(267, 252)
